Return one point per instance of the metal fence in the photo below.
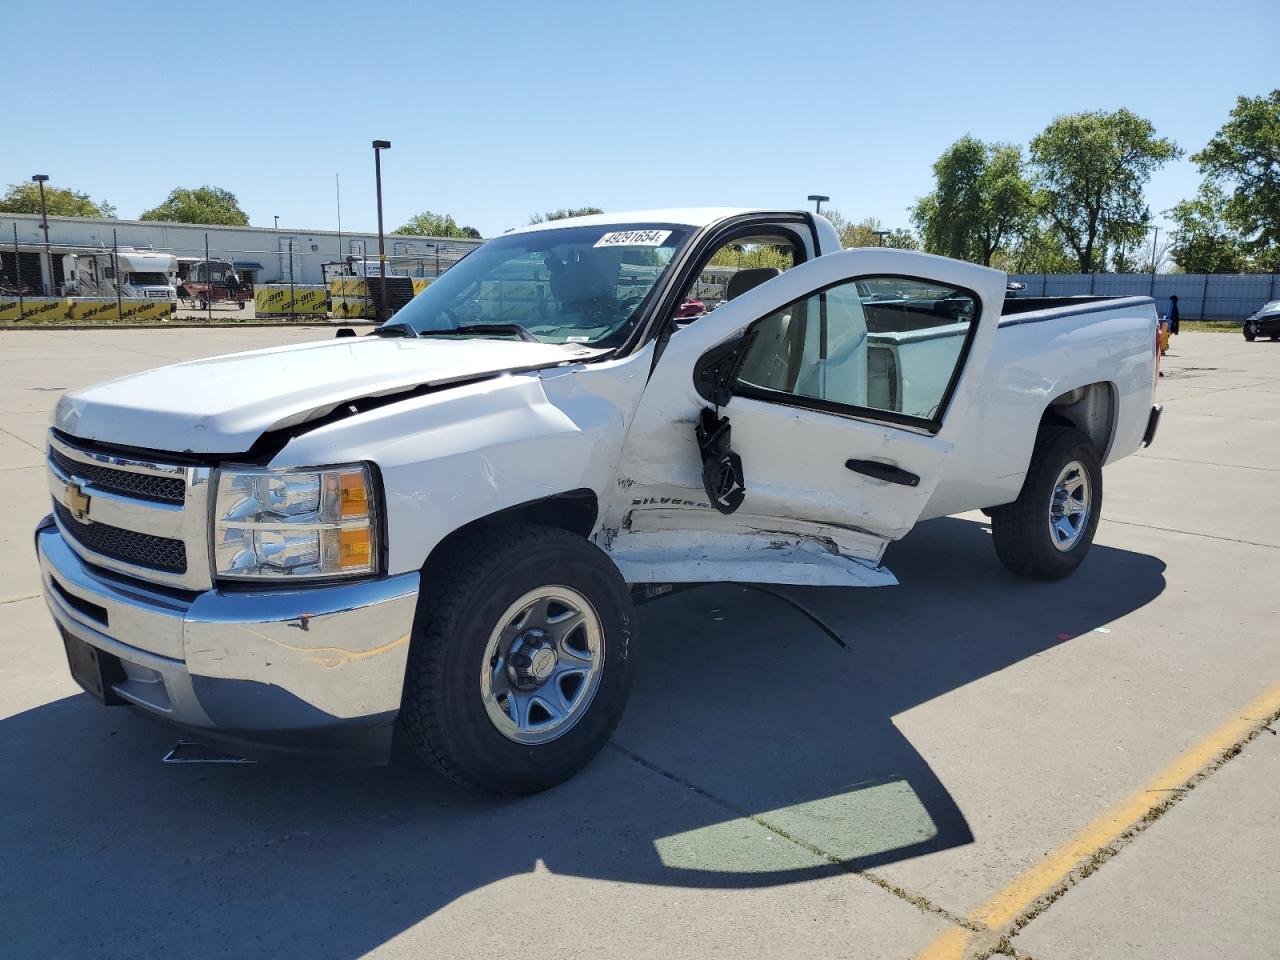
(1201, 296)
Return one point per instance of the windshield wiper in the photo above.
(472, 329)
(395, 330)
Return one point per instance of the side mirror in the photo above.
(717, 370)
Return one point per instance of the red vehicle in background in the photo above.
(690, 310)
(214, 281)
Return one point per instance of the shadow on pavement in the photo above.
(742, 709)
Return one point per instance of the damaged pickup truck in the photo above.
(442, 526)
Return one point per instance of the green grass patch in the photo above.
(1211, 326)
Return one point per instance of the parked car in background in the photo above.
(1264, 323)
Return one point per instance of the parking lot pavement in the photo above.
(1193, 887)
(922, 792)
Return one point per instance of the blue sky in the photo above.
(496, 110)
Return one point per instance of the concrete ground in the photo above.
(976, 772)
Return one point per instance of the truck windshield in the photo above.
(148, 280)
(583, 285)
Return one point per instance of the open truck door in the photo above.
(791, 434)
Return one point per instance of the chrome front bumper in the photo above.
(314, 671)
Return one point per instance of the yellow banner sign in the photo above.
(279, 300)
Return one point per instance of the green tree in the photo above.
(872, 233)
(59, 202)
(1243, 157)
(981, 201)
(1089, 173)
(428, 224)
(1204, 242)
(1036, 249)
(199, 205)
(564, 214)
(749, 255)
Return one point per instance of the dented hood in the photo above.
(223, 404)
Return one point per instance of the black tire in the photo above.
(442, 713)
(1249, 332)
(1020, 530)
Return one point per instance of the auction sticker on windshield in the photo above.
(633, 238)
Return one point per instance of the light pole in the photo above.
(818, 200)
(40, 179)
(378, 147)
(882, 234)
(277, 219)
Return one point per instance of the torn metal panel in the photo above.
(691, 518)
(683, 557)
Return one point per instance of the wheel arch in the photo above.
(1091, 409)
(574, 510)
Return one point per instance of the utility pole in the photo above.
(1154, 237)
(337, 187)
(378, 147)
(40, 179)
(882, 234)
(818, 200)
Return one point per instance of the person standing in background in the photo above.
(1173, 315)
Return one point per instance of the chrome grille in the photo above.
(142, 485)
(139, 517)
(127, 546)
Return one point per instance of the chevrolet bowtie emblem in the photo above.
(78, 502)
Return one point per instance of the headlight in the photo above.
(294, 523)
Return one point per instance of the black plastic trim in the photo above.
(1095, 305)
(884, 471)
(698, 250)
(1153, 424)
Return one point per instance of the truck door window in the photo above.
(876, 344)
(734, 269)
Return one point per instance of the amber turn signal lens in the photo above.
(353, 497)
(353, 548)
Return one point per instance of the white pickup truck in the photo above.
(443, 525)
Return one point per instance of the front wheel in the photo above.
(1250, 332)
(1047, 531)
(520, 665)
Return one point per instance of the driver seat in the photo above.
(749, 279)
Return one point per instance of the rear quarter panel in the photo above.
(1036, 358)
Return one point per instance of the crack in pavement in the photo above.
(1192, 533)
(1207, 463)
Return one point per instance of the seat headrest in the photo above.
(745, 280)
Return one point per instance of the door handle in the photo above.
(884, 471)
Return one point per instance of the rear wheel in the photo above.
(520, 666)
(1047, 531)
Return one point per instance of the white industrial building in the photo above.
(260, 254)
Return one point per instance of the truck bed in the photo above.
(1034, 309)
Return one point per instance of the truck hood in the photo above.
(223, 404)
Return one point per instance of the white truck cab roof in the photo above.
(685, 216)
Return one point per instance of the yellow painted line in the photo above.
(1005, 907)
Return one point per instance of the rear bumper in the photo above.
(1153, 424)
(312, 673)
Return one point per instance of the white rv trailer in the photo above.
(140, 274)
